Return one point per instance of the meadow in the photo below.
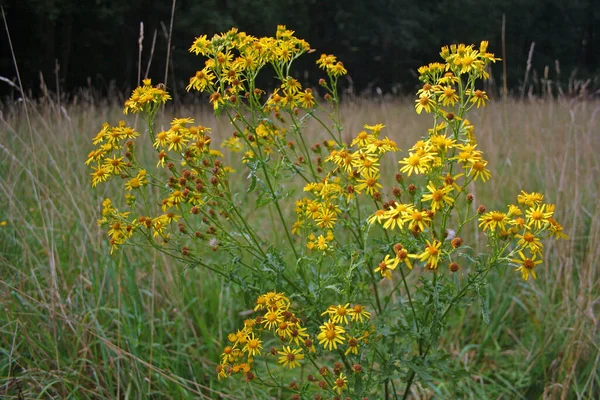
(78, 322)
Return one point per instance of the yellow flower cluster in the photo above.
(121, 228)
(108, 157)
(401, 255)
(443, 83)
(235, 58)
(276, 317)
(114, 155)
(345, 325)
(360, 172)
(329, 63)
(527, 226)
(146, 99)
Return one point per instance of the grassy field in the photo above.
(77, 322)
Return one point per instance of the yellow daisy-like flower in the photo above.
(343, 159)
(479, 98)
(338, 314)
(396, 215)
(220, 369)
(358, 312)
(538, 217)
(381, 146)
(492, 220)
(321, 243)
(432, 253)
(306, 99)
(363, 139)
(556, 229)
(478, 170)
(284, 330)
(417, 220)
(403, 256)
(374, 128)
(137, 181)
(100, 174)
(447, 95)
(340, 383)
(438, 196)
(530, 199)
(298, 334)
(201, 80)
(353, 346)
(527, 265)
(326, 219)
(366, 164)
(467, 154)
(369, 183)
(253, 346)
(387, 265)
(378, 216)
(424, 102)
(290, 358)
(416, 163)
(529, 241)
(514, 211)
(331, 335)
(272, 319)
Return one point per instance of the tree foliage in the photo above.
(381, 41)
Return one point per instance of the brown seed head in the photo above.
(456, 242)
(398, 247)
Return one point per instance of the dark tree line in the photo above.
(382, 42)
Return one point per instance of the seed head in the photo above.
(456, 242)
(454, 267)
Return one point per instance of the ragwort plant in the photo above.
(357, 290)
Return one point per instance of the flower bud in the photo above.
(456, 242)
(453, 267)
(398, 247)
